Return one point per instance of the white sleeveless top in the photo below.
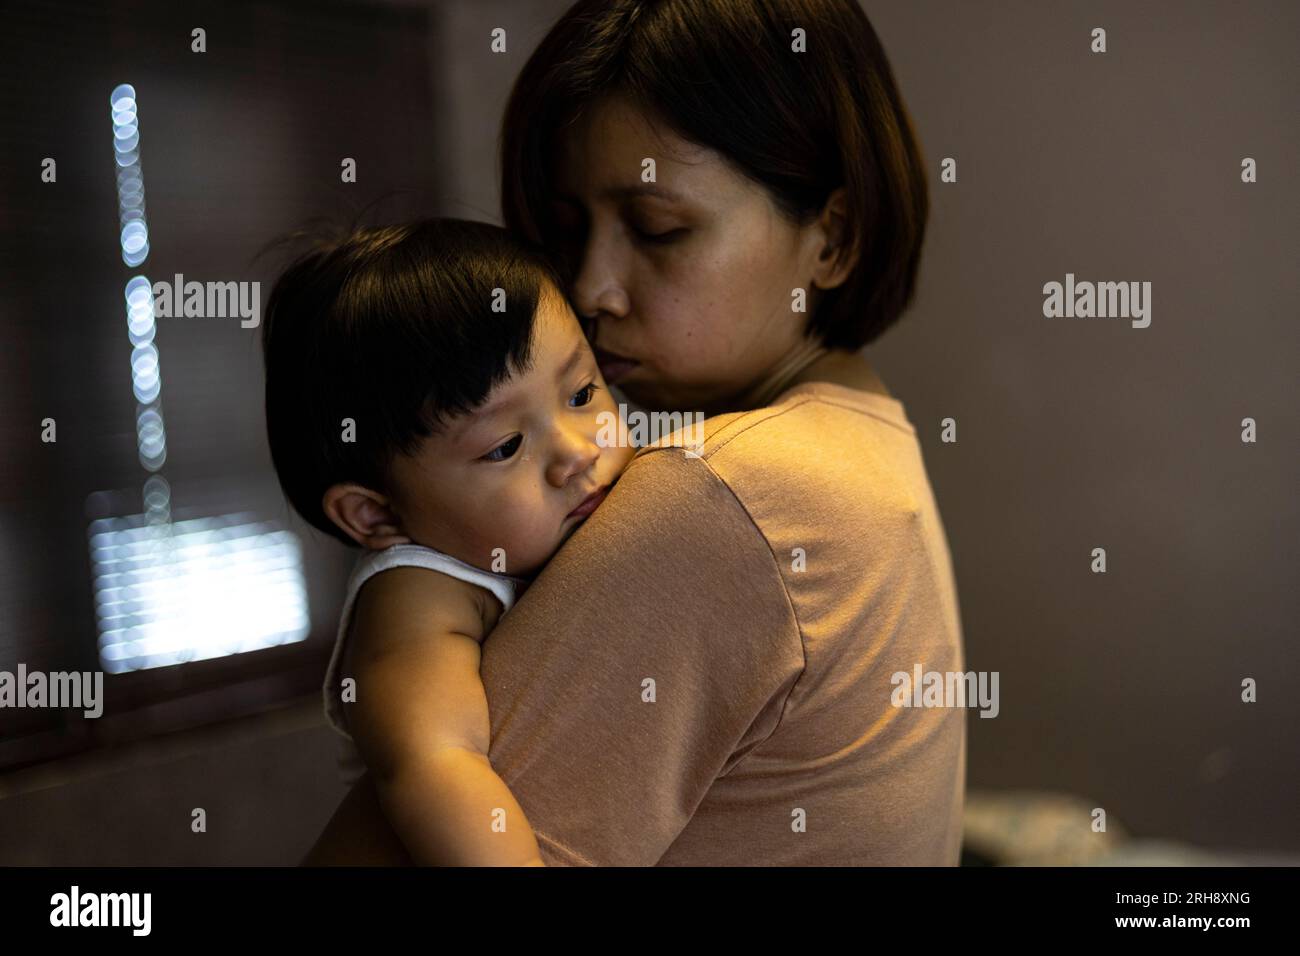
(368, 565)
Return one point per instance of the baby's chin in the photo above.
(536, 563)
(566, 534)
(527, 554)
(569, 528)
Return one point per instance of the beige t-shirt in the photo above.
(702, 675)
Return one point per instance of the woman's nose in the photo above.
(598, 289)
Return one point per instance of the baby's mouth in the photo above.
(589, 503)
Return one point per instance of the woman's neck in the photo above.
(809, 362)
(777, 380)
(838, 367)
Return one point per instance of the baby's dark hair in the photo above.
(394, 328)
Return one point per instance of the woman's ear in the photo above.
(833, 261)
(363, 515)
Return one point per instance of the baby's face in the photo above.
(511, 474)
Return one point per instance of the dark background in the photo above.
(1119, 690)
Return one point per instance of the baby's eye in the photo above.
(583, 395)
(504, 451)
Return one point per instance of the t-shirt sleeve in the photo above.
(650, 656)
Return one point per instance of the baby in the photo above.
(430, 397)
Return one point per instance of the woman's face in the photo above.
(689, 279)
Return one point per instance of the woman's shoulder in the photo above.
(819, 449)
(805, 424)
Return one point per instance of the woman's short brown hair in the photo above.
(725, 74)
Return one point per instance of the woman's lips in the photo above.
(612, 365)
(589, 503)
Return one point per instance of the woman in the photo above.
(705, 673)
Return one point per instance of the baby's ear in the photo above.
(363, 515)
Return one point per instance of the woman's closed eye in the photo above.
(652, 226)
(659, 238)
(505, 450)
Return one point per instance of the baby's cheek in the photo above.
(622, 456)
(526, 531)
(482, 532)
(484, 547)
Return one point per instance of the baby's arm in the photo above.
(420, 720)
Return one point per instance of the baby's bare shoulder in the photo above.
(416, 604)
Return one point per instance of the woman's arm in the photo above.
(650, 656)
(421, 721)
